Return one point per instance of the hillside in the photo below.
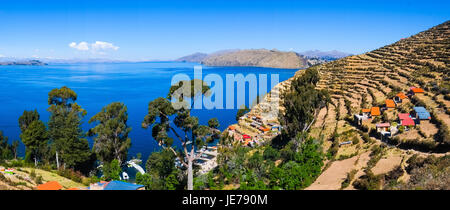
(30, 178)
(359, 156)
(194, 58)
(261, 58)
(330, 55)
(26, 63)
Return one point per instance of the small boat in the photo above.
(125, 176)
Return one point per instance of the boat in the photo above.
(125, 176)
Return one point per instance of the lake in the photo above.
(134, 84)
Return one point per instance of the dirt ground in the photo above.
(332, 178)
(428, 128)
(385, 165)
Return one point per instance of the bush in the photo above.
(366, 138)
(348, 179)
(33, 173)
(355, 140)
(111, 171)
(70, 174)
(271, 154)
(447, 97)
(368, 181)
(38, 179)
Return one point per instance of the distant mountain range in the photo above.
(258, 57)
(331, 55)
(194, 58)
(61, 60)
(263, 58)
(23, 62)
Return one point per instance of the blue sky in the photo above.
(137, 30)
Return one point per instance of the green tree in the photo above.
(303, 103)
(111, 133)
(15, 147)
(171, 182)
(302, 171)
(65, 131)
(271, 153)
(150, 181)
(185, 127)
(111, 171)
(27, 118)
(6, 152)
(161, 163)
(35, 138)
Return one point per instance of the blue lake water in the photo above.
(134, 84)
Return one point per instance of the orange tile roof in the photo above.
(73, 188)
(375, 111)
(365, 110)
(417, 90)
(231, 127)
(390, 103)
(401, 95)
(52, 185)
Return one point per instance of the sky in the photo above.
(165, 30)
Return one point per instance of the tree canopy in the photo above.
(111, 139)
(65, 127)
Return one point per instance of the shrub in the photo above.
(348, 179)
(368, 181)
(355, 140)
(33, 173)
(38, 179)
(271, 154)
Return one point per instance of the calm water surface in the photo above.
(135, 84)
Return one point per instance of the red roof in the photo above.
(52, 185)
(407, 122)
(245, 136)
(403, 116)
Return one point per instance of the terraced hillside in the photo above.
(360, 155)
(367, 80)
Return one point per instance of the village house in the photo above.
(115, 185)
(384, 128)
(52, 185)
(420, 113)
(375, 111)
(405, 119)
(415, 90)
(390, 104)
(365, 113)
(400, 97)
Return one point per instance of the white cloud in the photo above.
(1, 56)
(98, 47)
(83, 46)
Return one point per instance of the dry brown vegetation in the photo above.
(366, 80)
